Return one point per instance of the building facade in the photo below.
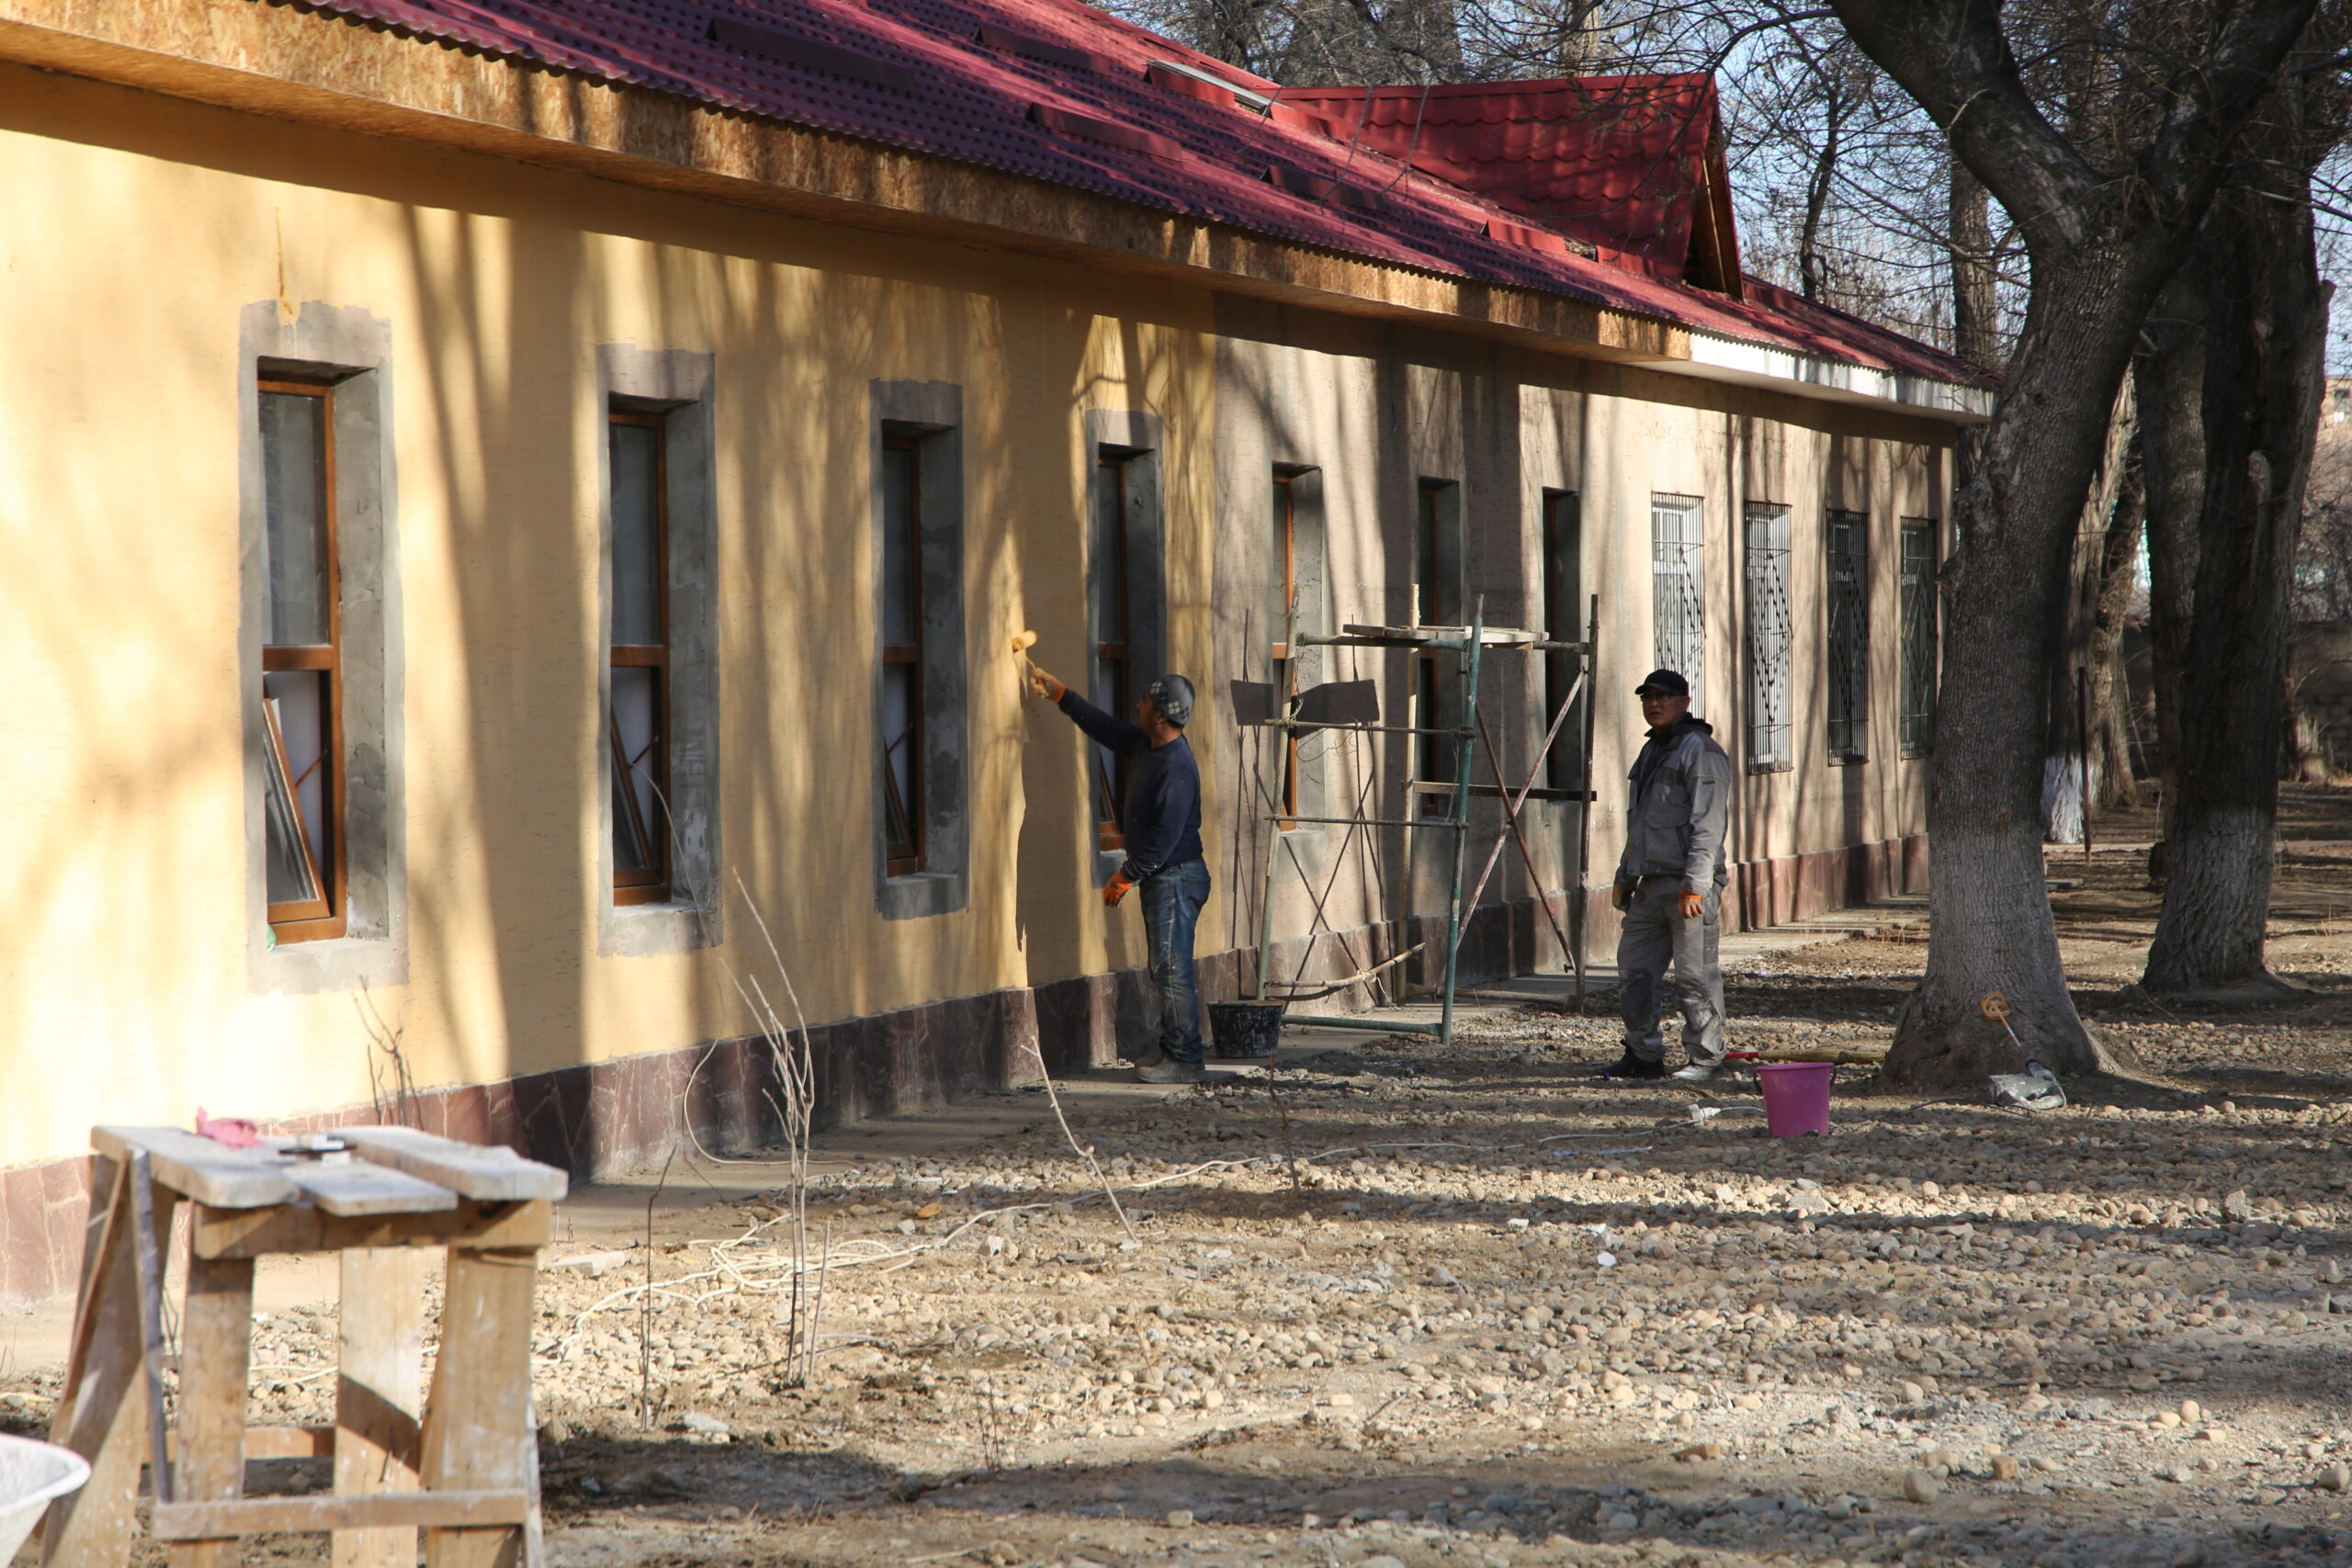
(515, 542)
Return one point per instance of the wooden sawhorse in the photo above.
(464, 1467)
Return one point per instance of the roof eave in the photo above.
(1741, 362)
(324, 70)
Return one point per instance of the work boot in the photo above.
(1632, 1066)
(1161, 1069)
(1698, 1072)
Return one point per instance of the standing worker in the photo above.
(1671, 885)
(1162, 819)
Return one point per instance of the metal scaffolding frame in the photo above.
(1469, 646)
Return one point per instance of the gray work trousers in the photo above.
(1656, 934)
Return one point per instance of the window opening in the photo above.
(1849, 635)
(1677, 584)
(1113, 623)
(1770, 633)
(301, 662)
(1918, 610)
(1431, 606)
(902, 654)
(637, 726)
(1564, 621)
(1286, 548)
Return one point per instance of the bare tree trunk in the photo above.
(2110, 740)
(1588, 40)
(2072, 677)
(2266, 327)
(1811, 273)
(1975, 300)
(2169, 373)
(2101, 248)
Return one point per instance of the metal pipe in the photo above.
(1379, 821)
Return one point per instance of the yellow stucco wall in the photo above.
(134, 229)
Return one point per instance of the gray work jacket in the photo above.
(1674, 825)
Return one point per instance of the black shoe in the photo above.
(1632, 1066)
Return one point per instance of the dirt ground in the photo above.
(1476, 1306)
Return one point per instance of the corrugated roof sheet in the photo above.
(1058, 91)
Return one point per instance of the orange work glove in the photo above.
(1045, 685)
(1693, 906)
(1115, 890)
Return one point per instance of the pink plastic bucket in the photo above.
(1796, 1097)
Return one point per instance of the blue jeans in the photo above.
(1172, 897)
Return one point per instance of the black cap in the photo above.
(1665, 683)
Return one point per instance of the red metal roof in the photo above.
(1629, 164)
(1057, 90)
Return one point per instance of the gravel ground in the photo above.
(1476, 1306)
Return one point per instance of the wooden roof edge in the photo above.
(321, 70)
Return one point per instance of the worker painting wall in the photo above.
(483, 321)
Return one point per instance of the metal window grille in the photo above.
(1849, 635)
(1918, 634)
(1770, 633)
(1677, 584)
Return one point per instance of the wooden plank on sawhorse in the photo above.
(486, 1173)
(356, 1188)
(197, 1167)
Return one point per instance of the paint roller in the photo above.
(1023, 641)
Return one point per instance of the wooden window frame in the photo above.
(321, 919)
(651, 885)
(1110, 832)
(905, 857)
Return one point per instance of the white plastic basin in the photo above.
(32, 1476)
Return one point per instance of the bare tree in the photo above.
(2106, 214)
(2264, 328)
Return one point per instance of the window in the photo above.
(919, 785)
(1849, 635)
(301, 663)
(1770, 634)
(1435, 518)
(636, 723)
(1284, 576)
(1678, 587)
(1564, 621)
(902, 654)
(1113, 588)
(1918, 610)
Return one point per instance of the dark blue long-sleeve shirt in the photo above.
(1161, 813)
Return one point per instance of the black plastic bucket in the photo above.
(1239, 1031)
